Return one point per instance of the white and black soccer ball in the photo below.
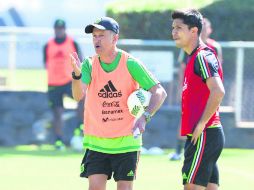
(138, 101)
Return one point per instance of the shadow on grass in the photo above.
(38, 150)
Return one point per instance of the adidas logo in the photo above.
(184, 176)
(141, 97)
(109, 91)
(59, 54)
(135, 110)
(130, 174)
(82, 168)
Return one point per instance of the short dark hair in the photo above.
(59, 23)
(190, 17)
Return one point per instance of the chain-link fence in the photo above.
(22, 49)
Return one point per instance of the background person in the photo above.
(56, 58)
(207, 30)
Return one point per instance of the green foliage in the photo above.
(231, 19)
(129, 6)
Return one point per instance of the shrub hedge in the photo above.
(231, 20)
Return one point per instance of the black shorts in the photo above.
(56, 94)
(123, 166)
(200, 166)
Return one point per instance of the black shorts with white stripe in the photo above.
(200, 160)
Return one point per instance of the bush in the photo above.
(231, 19)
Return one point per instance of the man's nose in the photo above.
(173, 32)
(96, 39)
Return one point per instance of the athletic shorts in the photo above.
(56, 94)
(200, 166)
(122, 166)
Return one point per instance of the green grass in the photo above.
(46, 169)
(25, 79)
(121, 6)
(29, 80)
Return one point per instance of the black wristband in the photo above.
(76, 77)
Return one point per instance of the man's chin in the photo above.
(178, 45)
(98, 51)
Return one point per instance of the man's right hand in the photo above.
(75, 63)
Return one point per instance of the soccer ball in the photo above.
(77, 143)
(138, 101)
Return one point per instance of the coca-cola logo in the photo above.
(111, 104)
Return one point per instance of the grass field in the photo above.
(25, 79)
(32, 168)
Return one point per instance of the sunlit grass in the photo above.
(25, 79)
(41, 168)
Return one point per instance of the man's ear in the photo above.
(194, 30)
(115, 38)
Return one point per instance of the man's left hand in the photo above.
(197, 132)
(140, 124)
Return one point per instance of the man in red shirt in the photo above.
(202, 94)
(182, 60)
